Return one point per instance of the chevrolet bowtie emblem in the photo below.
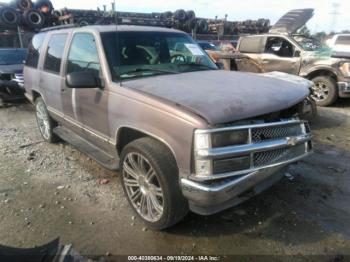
(292, 141)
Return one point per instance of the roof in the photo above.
(118, 28)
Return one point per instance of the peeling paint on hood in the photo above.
(223, 96)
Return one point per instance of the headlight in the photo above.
(230, 138)
(202, 142)
(205, 141)
(345, 69)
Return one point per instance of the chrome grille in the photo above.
(269, 144)
(274, 156)
(268, 133)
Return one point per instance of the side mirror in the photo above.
(83, 79)
(297, 53)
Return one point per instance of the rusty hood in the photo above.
(222, 96)
(292, 21)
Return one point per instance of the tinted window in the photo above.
(34, 50)
(343, 40)
(83, 54)
(12, 56)
(55, 52)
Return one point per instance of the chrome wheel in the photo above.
(143, 187)
(320, 91)
(43, 120)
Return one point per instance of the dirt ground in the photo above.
(49, 191)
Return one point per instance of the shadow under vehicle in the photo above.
(11, 74)
(283, 50)
(150, 102)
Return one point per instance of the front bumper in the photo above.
(344, 88)
(210, 199)
(211, 194)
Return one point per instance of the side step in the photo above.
(86, 147)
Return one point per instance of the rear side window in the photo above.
(54, 53)
(252, 44)
(83, 54)
(34, 50)
(343, 40)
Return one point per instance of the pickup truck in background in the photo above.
(285, 51)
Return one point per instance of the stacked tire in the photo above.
(25, 13)
(9, 17)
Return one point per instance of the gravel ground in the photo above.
(49, 191)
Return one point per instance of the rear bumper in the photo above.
(344, 88)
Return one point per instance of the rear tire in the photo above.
(325, 92)
(158, 187)
(44, 121)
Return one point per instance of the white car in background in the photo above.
(340, 43)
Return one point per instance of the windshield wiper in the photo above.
(140, 70)
(196, 65)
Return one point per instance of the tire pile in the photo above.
(26, 14)
(33, 16)
(180, 19)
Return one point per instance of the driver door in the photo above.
(281, 55)
(87, 108)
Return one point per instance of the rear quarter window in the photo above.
(252, 44)
(54, 53)
(34, 50)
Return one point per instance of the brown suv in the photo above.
(150, 102)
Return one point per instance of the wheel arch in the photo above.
(126, 134)
(322, 72)
(36, 95)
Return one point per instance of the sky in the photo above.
(236, 10)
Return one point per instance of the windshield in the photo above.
(142, 54)
(12, 57)
(310, 44)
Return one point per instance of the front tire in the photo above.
(151, 183)
(325, 91)
(44, 121)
